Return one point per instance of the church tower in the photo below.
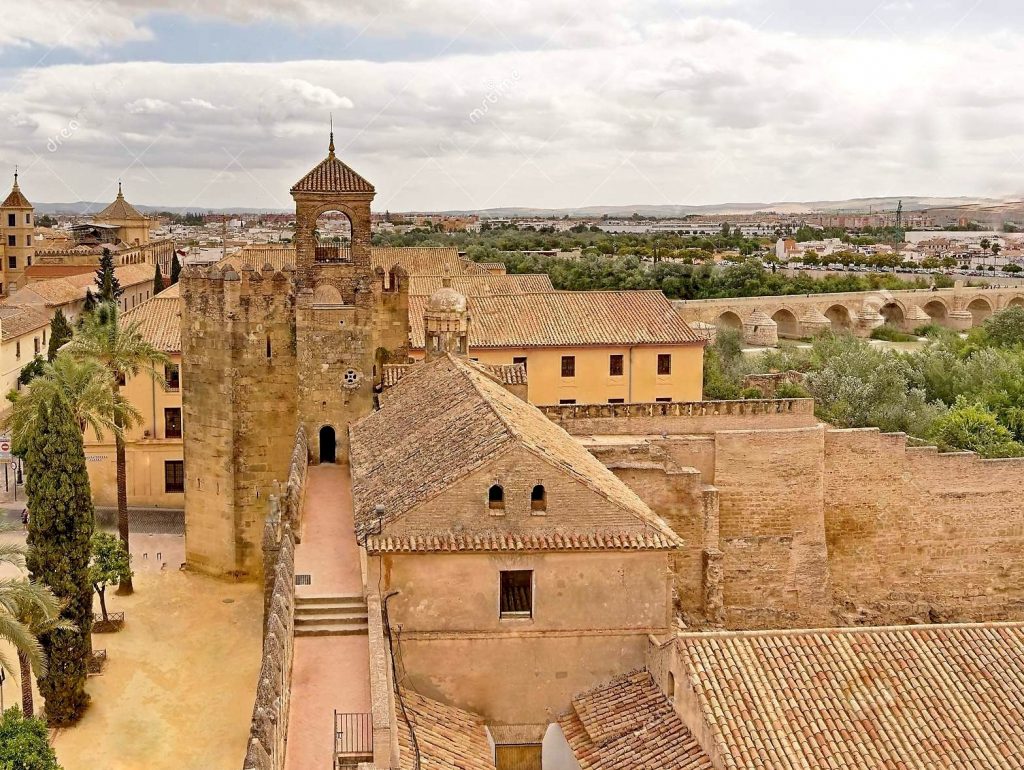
(17, 226)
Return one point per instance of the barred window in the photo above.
(517, 593)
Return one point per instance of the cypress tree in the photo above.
(106, 280)
(60, 332)
(158, 280)
(60, 527)
(175, 268)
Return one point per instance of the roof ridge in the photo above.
(761, 633)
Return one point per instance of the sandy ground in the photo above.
(178, 687)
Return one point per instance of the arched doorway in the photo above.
(328, 445)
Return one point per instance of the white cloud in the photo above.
(688, 112)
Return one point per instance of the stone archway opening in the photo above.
(332, 237)
(328, 445)
(729, 320)
(788, 327)
(936, 310)
(893, 315)
(980, 309)
(1016, 302)
(840, 317)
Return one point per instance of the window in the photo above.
(496, 498)
(172, 423)
(28, 240)
(568, 366)
(12, 262)
(28, 219)
(538, 498)
(12, 220)
(519, 360)
(517, 593)
(615, 365)
(35, 345)
(174, 475)
(17, 349)
(270, 351)
(664, 363)
(664, 400)
(172, 376)
(566, 401)
(44, 336)
(29, 258)
(616, 400)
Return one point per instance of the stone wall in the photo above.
(269, 728)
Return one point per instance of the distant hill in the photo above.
(852, 205)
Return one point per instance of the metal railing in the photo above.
(353, 736)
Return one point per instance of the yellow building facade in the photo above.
(153, 450)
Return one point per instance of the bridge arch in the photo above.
(936, 310)
(1017, 301)
(787, 323)
(841, 318)
(980, 308)
(893, 314)
(729, 320)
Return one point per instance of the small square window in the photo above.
(517, 593)
(664, 363)
(174, 475)
(516, 360)
(568, 366)
(12, 220)
(616, 400)
(615, 365)
(566, 401)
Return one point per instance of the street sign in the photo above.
(5, 448)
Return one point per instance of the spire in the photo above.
(15, 178)
(119, 193)
(330, 147)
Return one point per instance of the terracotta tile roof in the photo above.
(159, 320)
(257, 257)
(541, 541)
(331, 175)
(16, 321)
(628, 724)
(483, 285)
(16, 199)
(71, 288)
(567, 319)
(448, 738)
(119, 209)
(448, 417)
(862, 698)
(506, 374)
(174, 290)
(418, 260)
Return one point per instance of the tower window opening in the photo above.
(270, 352)
(496, 497)
(539, 498)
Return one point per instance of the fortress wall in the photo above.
(916, 535)
(771, 488)
(683, 417)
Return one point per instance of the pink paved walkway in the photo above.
(329, 672)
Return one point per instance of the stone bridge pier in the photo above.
(765, 320)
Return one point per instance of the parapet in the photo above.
(222, 290)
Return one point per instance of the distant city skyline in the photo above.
(457, 105)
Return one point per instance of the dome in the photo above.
(446, 300)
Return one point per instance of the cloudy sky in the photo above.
(477, 103)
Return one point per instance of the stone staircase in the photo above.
(330, 615)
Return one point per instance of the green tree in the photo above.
(60, 527)
(31, 370)
(970, 426)
(158, 280)
(89, 305)
(122, 350)
(1005, 329)
(110, 564)
(60, 333)
(25, 743)
(106, 279)
(175, 268)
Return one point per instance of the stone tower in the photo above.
(446, 323)
(266, 351)
(17, 225)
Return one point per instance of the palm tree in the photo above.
(27, 609)
(123, 352)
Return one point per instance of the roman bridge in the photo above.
(764, 320)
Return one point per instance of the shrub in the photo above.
(791, 390)
(930, 329)
(891, 334)
(24, 743)
(970, 426)
(751, 392)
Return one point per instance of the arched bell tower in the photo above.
(339, 298)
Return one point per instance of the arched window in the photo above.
(496, 497)
(538, 498)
